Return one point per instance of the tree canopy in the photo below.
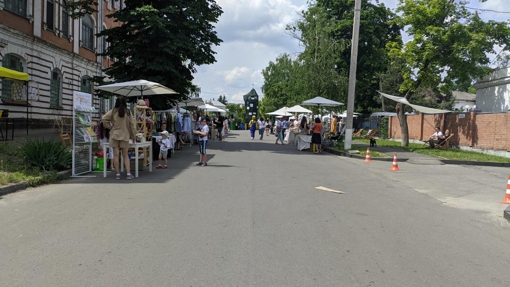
(161, 41)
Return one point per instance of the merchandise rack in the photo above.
(83, 135)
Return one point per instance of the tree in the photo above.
(326, 31)
(222, 99)
(238, 111)
(449, 46)
(161, 41)
(279, 83)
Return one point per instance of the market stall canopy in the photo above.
(210, 108)
(13, 75)
(137, 88)
(421, 109)
(320, 101)
(344, 115)
(192, 102)
(218, 104)
(298, 109)
(383, 114)
(280, 112)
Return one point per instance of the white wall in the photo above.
(493, 92)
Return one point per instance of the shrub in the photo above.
(46, 156)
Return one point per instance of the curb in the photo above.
(506, 213)
(15, 187)
(342, 153)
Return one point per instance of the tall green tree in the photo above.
(450, 45)
(161, 41)
(332, 20)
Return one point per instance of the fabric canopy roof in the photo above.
(298, 109)
(218, 104)
(280, 112)
(421, 109)
(320, 101)
(210, 108)
(14, 75)
(137, 88)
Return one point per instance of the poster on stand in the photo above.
(83, 133)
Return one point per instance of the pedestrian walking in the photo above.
(122, 128)
(261, 126)
(253, 126)
(278, 131)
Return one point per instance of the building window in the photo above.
(14, 63)
(87, 33)
(50, 13)
(65, 21)
(86, 85)
(55, 89)
(17, 6)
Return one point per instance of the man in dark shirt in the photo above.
(219, 125)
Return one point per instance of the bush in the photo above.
(46, 156)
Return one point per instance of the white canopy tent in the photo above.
(218, 104)
(281, 112)
(210, 108)
(298, 109)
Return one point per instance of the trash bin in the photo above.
(241, 126)
(99, 164)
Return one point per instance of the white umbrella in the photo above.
(298, 109)
(320, 101)
(137, 88)
(280, 112)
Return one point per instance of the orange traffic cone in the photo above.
(395, 165)
(367, 157)
(507, 195)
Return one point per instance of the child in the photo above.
(164, 144)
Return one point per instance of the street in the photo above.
(254, 217)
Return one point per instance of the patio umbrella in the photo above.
(321, 102)
(193, 102)
(137, 88)
(298, 109)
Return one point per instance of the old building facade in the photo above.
(40, 38)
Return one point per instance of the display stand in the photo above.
(143, 127)
(83, 135)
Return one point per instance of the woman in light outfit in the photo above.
(122, 128)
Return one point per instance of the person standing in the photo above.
(219, 125)
(164, 144)
(317, 131)
(253, 126)
(303, 127)
(278, 131)
(268, 126)
(334, 125)
(262, 126)
(122, 128)
(202, 131)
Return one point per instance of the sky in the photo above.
(253, 34)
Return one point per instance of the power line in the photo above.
(487, 10)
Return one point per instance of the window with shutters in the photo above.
(14, 63)
(55, 89)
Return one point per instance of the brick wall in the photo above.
(477, 130)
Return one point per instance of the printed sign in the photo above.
(83, 101)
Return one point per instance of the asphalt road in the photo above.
(254, 217)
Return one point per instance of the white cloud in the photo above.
(253, 33)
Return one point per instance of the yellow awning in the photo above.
(14, 75)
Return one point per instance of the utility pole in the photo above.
(352, 76)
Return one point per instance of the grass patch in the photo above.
(449, 154)
(14, 170)
(362, 151)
